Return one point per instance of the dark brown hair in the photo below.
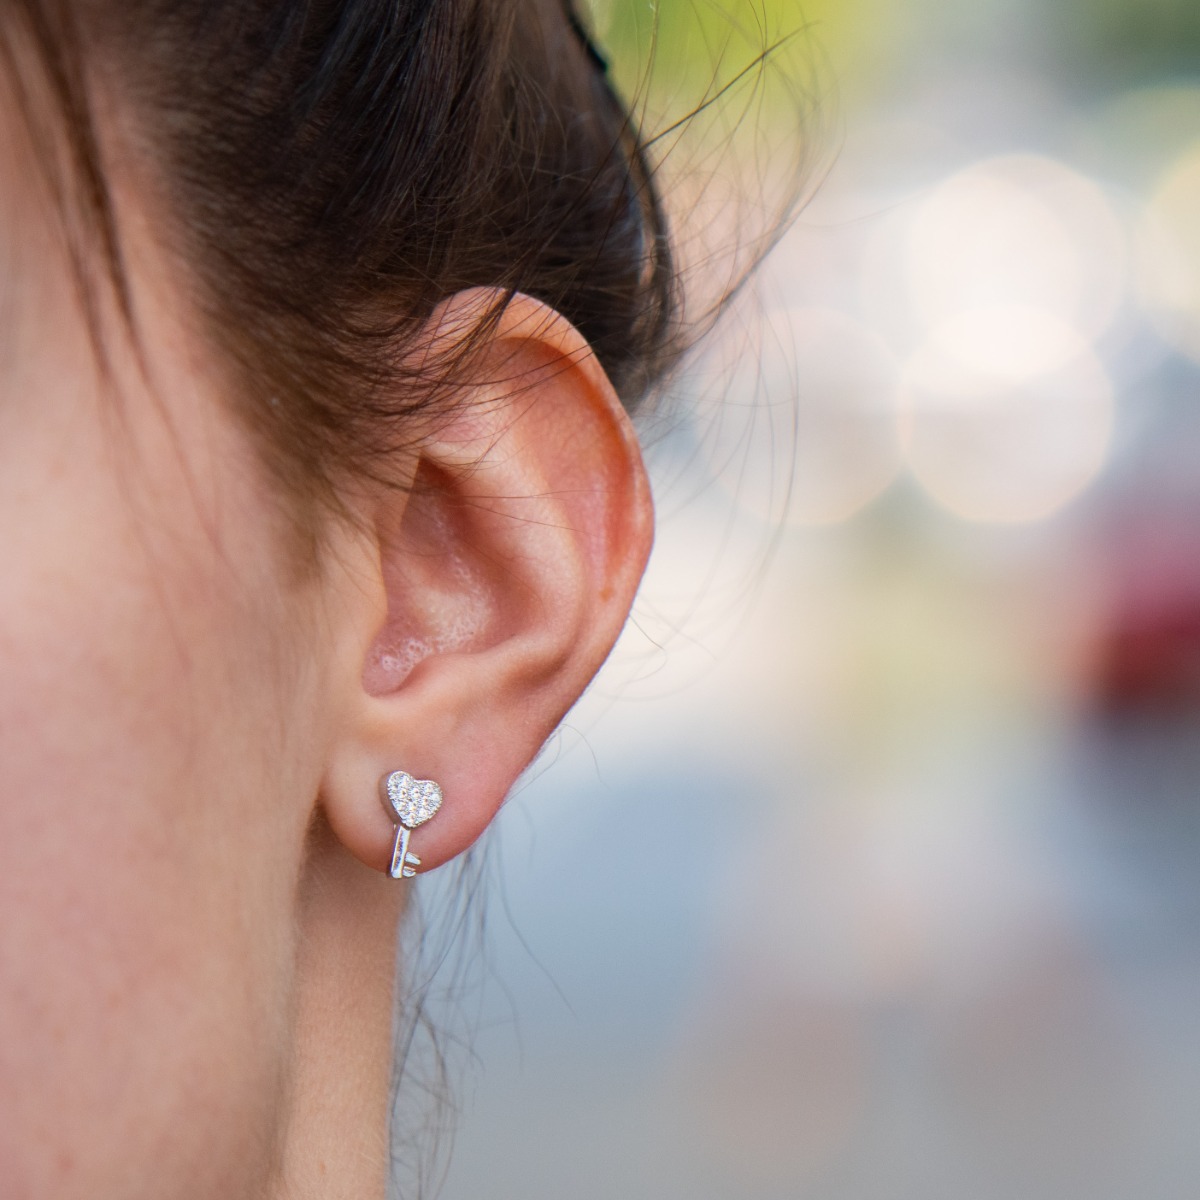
(333, 169)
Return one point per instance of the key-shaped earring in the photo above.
(412, 802)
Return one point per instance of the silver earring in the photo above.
(411, 802)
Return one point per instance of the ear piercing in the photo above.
(412, 802)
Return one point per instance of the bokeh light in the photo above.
(832, 447)
(1017, 231)
(1008, 415)
(1169, 255)
(848, 383)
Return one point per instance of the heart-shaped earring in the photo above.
(412, 802)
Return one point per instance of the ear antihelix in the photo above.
(411, 802)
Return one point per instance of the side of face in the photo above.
(155, 716)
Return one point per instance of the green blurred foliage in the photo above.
(679, 52)
(735, 95)
(1107, 45)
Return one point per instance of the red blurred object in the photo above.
(1149, 659)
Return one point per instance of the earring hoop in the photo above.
(411, 802)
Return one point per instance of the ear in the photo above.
(486, 595)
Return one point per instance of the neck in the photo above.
(336, 1138)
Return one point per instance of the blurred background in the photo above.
(870, 867)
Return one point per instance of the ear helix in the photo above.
(411, 802)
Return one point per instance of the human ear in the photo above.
(482, 599)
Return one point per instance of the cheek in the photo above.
(144, 953)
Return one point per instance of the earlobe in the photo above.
(506, 573)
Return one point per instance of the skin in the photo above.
(197, 974)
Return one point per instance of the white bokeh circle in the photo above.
(1006, 443)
